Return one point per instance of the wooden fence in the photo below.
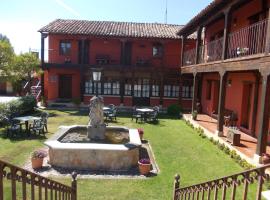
(17, 183)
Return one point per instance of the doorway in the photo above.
(246, 105)
(65, 86)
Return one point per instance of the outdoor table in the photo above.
(106, 110)
(25, 120)
(145, 112)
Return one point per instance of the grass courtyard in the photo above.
(176, 147)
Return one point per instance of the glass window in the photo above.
(187, 92)
(167, 90)
(155, 90)
(65, 48)
(175, 91)
(128, 89)
(89, 87)
(137, 90)
(107, 88)
(116, 88)
(157, 50)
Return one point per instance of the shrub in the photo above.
(233, 154)
(221, 146)
(211, 139)
(174, 110)
(20, 106)
(227, 150)
(215, 142)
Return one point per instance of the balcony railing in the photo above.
(247, 41)
(189, 57)
(211, 51)
(237, 186)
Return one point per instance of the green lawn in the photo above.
(177, 148)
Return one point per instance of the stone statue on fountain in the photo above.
(96, 126)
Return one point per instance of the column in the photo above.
(221, 102)
(267, 43)
(123, 56)
(263, 116)
(198, 44)
(161, 88)
(43, 36)
(182, 50)
(81, 69)
(122, 87)
(195, 91)
(255, 103)
(227, 14)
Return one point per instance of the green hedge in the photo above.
(17, 107)
(174, 110)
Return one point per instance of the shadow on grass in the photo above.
(21, 137)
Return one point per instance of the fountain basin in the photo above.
(94, 156)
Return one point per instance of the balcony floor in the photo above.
(248, 143)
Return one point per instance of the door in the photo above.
(141, 95)
(246, 105)
(215, 96)
(65, 86)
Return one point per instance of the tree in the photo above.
(6, 52)
(22, 69)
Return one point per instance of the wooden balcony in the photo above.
(244, 44)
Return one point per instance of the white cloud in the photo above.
(67, 7)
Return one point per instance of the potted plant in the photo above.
(144, 166)
(37, 158)
(265, 158)
(194, 115)
(141, 132)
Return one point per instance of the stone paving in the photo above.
(248, 143)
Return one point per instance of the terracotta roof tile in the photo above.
(113, 29)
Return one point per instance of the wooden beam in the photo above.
(227, 14)
(263, 116)
(43, 36)
(82, 80)
(221, 102)
(195, 91)
(161, 88)
(198, 44)
(183, 40)
(267, 43)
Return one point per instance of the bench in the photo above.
(230, 117)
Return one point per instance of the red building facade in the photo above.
(230, 65)
(139, 61)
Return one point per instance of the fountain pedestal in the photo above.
(96, 126)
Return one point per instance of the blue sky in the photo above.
(20, 19)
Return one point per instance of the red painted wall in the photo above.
(141, 49)
(51, 77)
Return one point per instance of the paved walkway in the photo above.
(5, 99)
(248, 143)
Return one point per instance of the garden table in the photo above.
(145, 112)
(25, 120)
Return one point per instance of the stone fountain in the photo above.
(94, 146)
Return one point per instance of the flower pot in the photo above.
(144, 168)
(37, 163)
(265, 159)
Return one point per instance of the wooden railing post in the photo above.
(267, 43)
(74, 186)
(176, 187)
